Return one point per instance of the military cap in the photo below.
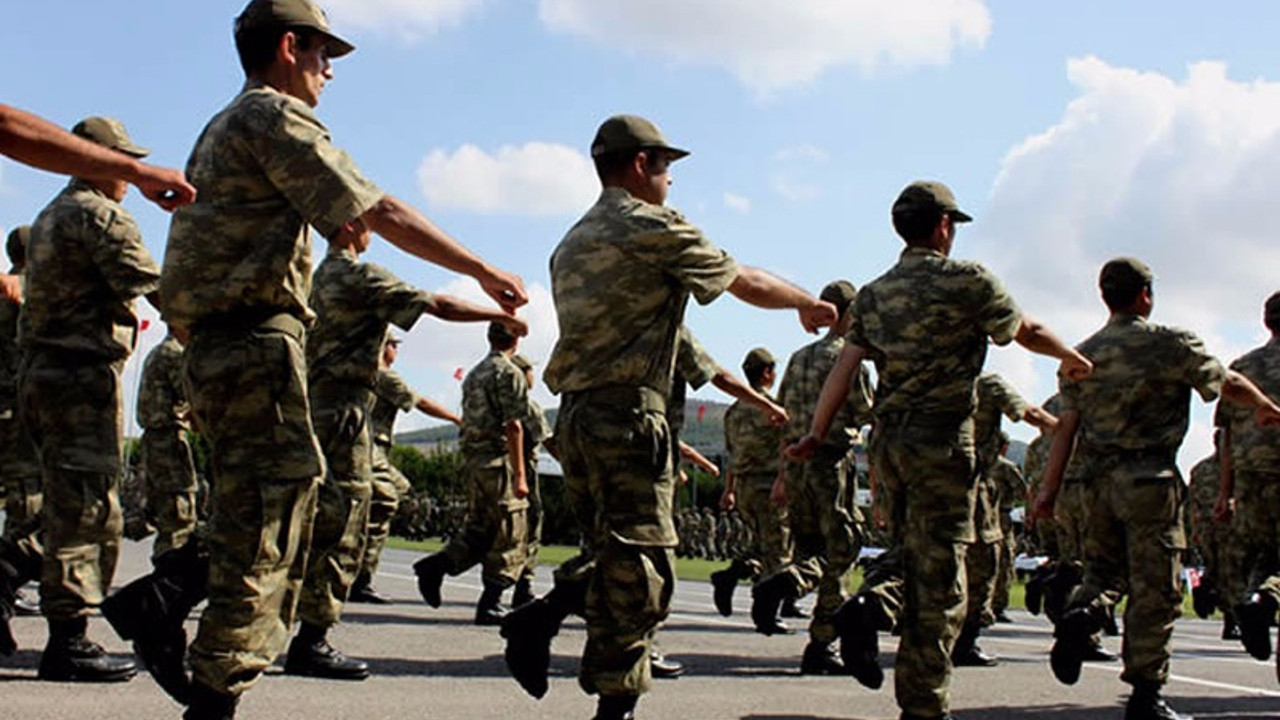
(758, 359)
(1125, 273)
(929, 196)
(16, 244)
(630, 132)
(500, 334)
(840, 293)
(291, 13)
(108, 133)
(1271, 311)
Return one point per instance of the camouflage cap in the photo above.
(630, 132)
(1271, 311)
(929, 196)
(500, 334)
(758, 359)
(840, 293)
(108, 133)
(1125, 274)
(16, 244)
(291, 13)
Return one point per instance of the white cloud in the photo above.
(1180, 173)
(738, 203)
(408, 19)
(773, 44)
(532, 179)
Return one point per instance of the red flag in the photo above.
(702, 412)
(145, 324)
(457, 374)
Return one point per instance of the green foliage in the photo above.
(437, 473)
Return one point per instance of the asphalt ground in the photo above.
(435, 664)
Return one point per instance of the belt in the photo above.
(246, 320)
(634, 396)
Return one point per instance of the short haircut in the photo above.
(257, 46)
(1271, 313)
(610, 165)
(16, 249)
(1120, 296)
(755, 372)
(916, 227)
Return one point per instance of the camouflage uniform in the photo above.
(1133, 416)
(1046, 529)
(169, 472)
(621, 279)
(826, 525)
(1213, 539)
(390, 487)
(753, 445)
(1255, 461)
(536, 431)
(926, 324)
(19, 462)
(1011, 488)
(494, 393)
(237, 275)
(354, 302)
(85, 265)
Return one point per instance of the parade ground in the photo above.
(435, 664)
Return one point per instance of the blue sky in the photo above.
(1073, 132)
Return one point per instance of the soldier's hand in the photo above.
(776, 415)
(1075, 367)
(727, 500)
(1222, 509)
(517, 326)
(505, 288)
(802, 450)
(778, 493)
(165, 187)
(1042, 508)
(521, 489)
(682, 477)
(818, 315)
(11, 288)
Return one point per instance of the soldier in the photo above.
(169, 472)
(1215, 542)
(495, 402)
(19, 464)
(390, 488)
(236, 276)
(996, 398)
(826, 527)
(535, 432)
(1126, 422)
(926, 324)
(354, 303)
(1251, 476)
(752, 443)
(1011, 489)
(86, 264)
(621, 279)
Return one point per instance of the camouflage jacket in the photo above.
(85, 266)
(391, 396)
(265, 171)
(162, 399)
(621, 279)
(995, 398)
(1254, 447)
(801, 387)
(494, 393)
(1010, 484)
(1132, 409)
(925, 324)
(752, 443)
(354, 302)
(1206, 479)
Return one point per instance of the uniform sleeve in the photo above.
(321, 182)
(862, 304)
(115, 244)
(1005, 398)
(680, 250)
(1198, 368)
(394, 300)
(692, 361)
(998, 315)
(392, 388)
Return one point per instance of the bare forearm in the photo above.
(764, 289)
(514, 432)
(1064, 442)
(436, 410)
(411, 231)
(458, 310)
(1240, 390)
(39, 143)
(1038, 338)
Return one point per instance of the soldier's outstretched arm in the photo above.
(34, 141)
(1038, 338)
(436, 410)
(764, 289)
(455, 309)
(411, 231)
(1240, 390)
(1064, 443)
(732, 385)
(688, 453)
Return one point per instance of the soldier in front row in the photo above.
(168, 468)
(1126, 422)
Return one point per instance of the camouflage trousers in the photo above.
(1219, 551)
(927, 479)
(19, 474)
(770, 549)
(1256, 531)
(615, 448)
(533, 520)
(981, 564)
(248, 392)
(340, 416)
(71, 406)
(493, 534)
(1133, 544)
(1005, 572)
(826, 532)
(170, 476)
(388, 486)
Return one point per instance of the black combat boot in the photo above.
(1230, 628)
(856, 622)
(1255, 615)
(71, 657)
(363, 591)
(766, 603)
(528, 631)
(9, 584)
(310, 654)
(209, 704)
(1034, 594)
(791, 610)
(966, 652)
(1146, 704)
(489, 610)
(522, 592)
(662, 667)
(1097, 653)
(616, 707)
(723, 583)
(820, 659)
(1074, 638)
(431, 571)
(151, 610)
(1204, 598)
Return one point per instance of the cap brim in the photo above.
(337, 46)
(134, 151)
(961, 216)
